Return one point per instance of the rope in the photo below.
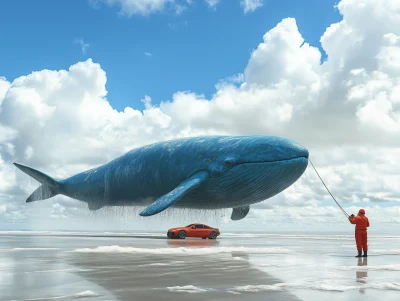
(344, 212)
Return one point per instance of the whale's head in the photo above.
(249, 169)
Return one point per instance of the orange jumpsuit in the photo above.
(362, 223)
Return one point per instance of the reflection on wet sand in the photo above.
(189, 243)
(361, 276)
(146, 276)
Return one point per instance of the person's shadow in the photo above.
(362, 275)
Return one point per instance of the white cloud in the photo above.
(251, 5)
(212, 3)
(4, 86)
(147, 7)
(84, 46)
(283, 56)
(148, 54)
(345, 110)
(311, 218)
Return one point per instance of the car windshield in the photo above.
(189, 225)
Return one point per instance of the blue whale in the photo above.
(210, 172)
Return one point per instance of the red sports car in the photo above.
(194, 230)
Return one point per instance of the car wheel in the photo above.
(213, 235)
(182, 234)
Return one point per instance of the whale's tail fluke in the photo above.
(50, 187)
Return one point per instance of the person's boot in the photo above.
(365, 254)
(359, 254)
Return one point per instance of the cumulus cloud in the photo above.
(312, 218)
(251, 5)
(4, 86)
(346, 111)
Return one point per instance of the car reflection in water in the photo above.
(192, 243)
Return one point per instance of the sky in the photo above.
(82, 82)
(150, 52)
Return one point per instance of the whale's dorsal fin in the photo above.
(240, 212)
(171, 197)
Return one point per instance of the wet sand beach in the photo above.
(147, 266)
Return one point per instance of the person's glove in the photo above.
(351, 216)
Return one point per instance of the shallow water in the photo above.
(147, 266)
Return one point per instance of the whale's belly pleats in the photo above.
(247, 184)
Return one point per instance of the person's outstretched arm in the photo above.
(353, 220)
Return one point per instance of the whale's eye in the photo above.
(229, 161)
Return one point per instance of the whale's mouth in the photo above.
(273, 161)
(253, 181)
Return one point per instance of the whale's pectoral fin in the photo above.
(173, 196)
(239, 213)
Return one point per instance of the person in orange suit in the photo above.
(362, 223)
